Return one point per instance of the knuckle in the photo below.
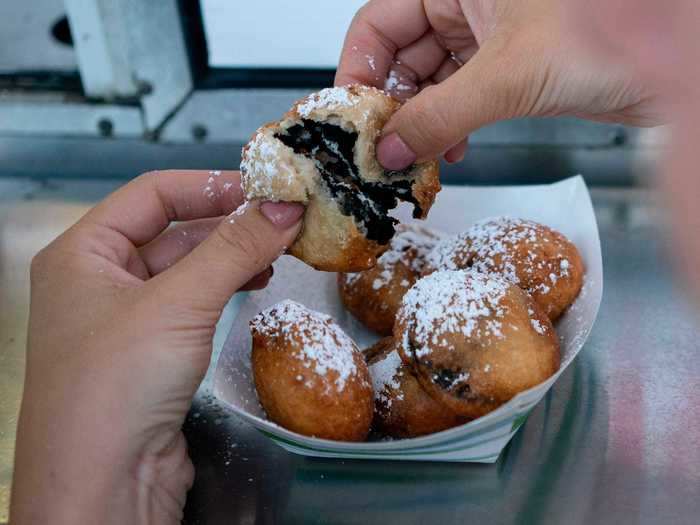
(516, 80)
(429, 126)
(40, 263)
(362, 14)
(152, 174)
(243, 241)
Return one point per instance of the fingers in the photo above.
(260, 281)
(447, 68)
(456, 153)
(241, 247)
(378, 30)
(484, 90)
(176, 242)
(413, 64)
(145, 207)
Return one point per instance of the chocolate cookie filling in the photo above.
(331, 147)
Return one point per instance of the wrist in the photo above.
(79, 466)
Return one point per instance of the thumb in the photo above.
(245, 243)
(484, 90)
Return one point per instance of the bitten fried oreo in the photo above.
(374, 296)
(538, 259)
(402, 409)
(322, 154)
(309, 375)
(474, 340)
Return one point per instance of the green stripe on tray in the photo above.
(422, 448)
(426, 451)
(390, 457)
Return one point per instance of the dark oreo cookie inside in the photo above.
(331, 147)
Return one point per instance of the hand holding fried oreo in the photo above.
(322, 154)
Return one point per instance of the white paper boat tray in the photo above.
(565, 206)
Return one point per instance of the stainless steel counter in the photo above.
(616, 441)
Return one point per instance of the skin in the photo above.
(122, 317)
(464, 64)
(659, 41)
(117, 300)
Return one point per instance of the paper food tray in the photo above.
(565, 206)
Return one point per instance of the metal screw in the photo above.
(199, 132)
(105, 127)
(145, 87)
(619, 137)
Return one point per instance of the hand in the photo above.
(463, 64)
(660, 40)
(122, 317)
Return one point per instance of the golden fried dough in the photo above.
(322, 153)
(474, 340)
(373, 296)
(402, 409)
(309, 375)
(538, 259)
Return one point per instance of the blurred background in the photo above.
(114, 88)
(95, 92)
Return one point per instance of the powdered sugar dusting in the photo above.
(324, 346)
(396, 82)
(329, 98)
(370, 62)
(410, 247)
(537, 326)
(492, 241)
(238, 212)
(260, 165)
(384, 374)
(511, 248)
(448, 254)
(451, 302)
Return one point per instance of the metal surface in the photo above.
(511, 162)
(38, 157)
(616, 441)
(231, 115)
(101, 40)
(26, 40)
(133, 48)
(51, 115)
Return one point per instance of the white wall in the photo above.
(281, 33)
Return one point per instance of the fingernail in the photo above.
(282, 214)
(393, 153)
(454, 158)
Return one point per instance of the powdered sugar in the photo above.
(324, 347)
(502, 245)
(384, 373)
(260, 164)
(410, 247)
(451, 302)
(238, 212)
(370, 62)
(396, 82)
(448, 254)
(329, 99)
(351, 277)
